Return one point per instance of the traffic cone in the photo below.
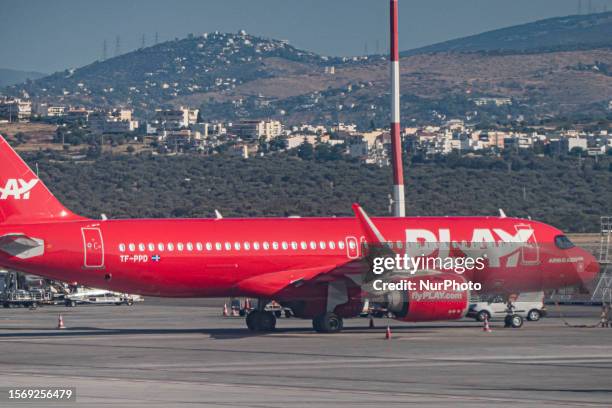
(60, 322)
(247, 304)
(371, 322)
(486, 327)
(234, 312)
(388, 333)
(225, 313)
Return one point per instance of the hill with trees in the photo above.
(565, 191)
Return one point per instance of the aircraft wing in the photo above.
(21, 245)
(270, 284)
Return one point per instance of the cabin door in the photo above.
(93, 248)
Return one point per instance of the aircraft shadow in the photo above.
(215, 333)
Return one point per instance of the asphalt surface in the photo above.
(166, 353)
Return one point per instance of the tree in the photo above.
(306, 151)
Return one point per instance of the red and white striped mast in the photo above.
(399, 202)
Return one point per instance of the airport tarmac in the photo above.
(165, 353)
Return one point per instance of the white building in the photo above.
(573, 142)
(15, 109)
(175, 119)
(256, 129)
(116, 121)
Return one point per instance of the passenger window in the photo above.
(180, 246)
(208, 246)
(170, 246)
(141, 247)
(237, 246)
(266, 245)
(218, 246)
(322, 244)
(199, 246)
(122, 247)
(352, 245)
(313, 245)
(256, 246)
(294, 245)
(275, 245)
(303, 245)
(160, 247)
(332, 245)
(341, 244)
(246, 246)
(228, 246)
(189, 246)
(285, 245)
(151, 247)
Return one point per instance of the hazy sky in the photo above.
(46, 36)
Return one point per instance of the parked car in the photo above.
(527, 305)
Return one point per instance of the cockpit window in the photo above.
(563, 242)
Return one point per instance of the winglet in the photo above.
(372, 234)
(502, 214)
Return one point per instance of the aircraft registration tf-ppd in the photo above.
(316, 266)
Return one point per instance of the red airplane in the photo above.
(318, 267)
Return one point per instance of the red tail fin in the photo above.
(24, 198)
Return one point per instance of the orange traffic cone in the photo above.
(225, 313)
(60, 322)
(371, 322)
(234, 312)
(486, 327)
(388, 333)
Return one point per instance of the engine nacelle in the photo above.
(433, 298)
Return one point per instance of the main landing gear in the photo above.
(327, 323)
(259, 320)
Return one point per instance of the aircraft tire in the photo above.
(261, 321)
(328, 323)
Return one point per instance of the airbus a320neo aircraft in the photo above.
(315, 266)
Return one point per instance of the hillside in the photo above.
(232, 76)
(554, 34)
(156, 75)
(12, 76)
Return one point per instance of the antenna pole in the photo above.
(399, 204)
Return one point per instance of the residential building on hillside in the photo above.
(256, 129)
(175, 119)
(15, 110)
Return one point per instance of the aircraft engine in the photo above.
(439, 297)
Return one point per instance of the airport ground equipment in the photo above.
(20, 291)
(100, 297)
(605, 252)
